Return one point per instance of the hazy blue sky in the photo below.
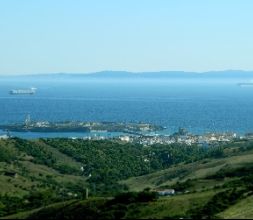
(44, 36)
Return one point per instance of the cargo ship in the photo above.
(30, 91)
(245, 84)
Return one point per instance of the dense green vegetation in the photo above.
(218, 203)
(115, 208)
(10, 204)
(109, 161)
(37, 173)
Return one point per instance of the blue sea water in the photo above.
(197, 105)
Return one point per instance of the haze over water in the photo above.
(198, 105)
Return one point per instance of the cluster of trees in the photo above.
(105, 163)
(116, 208)
(232, 172)
(12, 204)
(108, 161)
(7, 152)
(43, 155)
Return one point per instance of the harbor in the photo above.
(79, 127)
(136, 133)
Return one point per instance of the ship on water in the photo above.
(248, 83)
(30, 91)
(245, 84)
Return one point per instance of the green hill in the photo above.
(48, 177)
(241, 210)
(208, 204)
(200, 174)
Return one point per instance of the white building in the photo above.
(125, 138)
(166, 192)
(4, 136)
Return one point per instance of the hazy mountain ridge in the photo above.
(159, 74)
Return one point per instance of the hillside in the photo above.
(204, 173)
(216, 203)
(38, 173)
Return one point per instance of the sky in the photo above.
(82, 36)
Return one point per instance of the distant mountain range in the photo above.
(161, 74)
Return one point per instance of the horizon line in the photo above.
(122, 71)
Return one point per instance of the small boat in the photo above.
(247, 83)
(30, 91)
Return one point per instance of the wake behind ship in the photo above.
(30, 91)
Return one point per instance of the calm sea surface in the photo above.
(199, 106)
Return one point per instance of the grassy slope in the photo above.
(241, 210)
(163, 207)
(33, 175)
(69, 210)
(198, 170)
(197, 173)
(176, 206)
(26, 214)
(61, 158)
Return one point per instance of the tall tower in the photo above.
(28, 120)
